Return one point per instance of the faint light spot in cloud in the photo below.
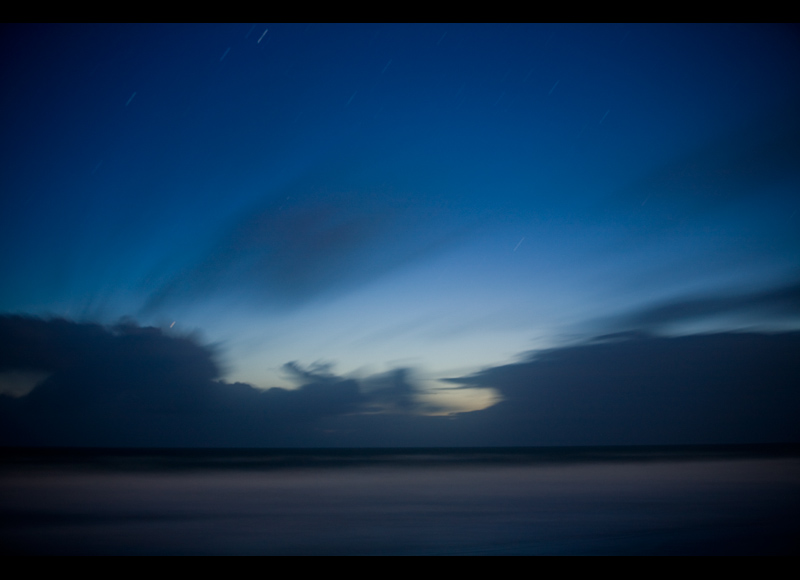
(20, 383)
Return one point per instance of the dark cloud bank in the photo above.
(135, 386)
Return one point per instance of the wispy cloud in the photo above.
(772, 305)
(326, 233)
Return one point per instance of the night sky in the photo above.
(397, 235)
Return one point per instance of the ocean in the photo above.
(687, 500)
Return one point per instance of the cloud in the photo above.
(394, 392)
(107, 361)
(128, 385)
(100, 381)
(137, 386)
(638, 389)
(774, 304)
(329, 231)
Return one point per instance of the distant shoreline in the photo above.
(276, 458)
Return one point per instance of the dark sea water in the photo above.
(549, 501)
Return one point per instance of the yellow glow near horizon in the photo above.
(459, 400)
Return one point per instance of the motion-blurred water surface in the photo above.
(647, 500)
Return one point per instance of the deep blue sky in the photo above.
(368, 200)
